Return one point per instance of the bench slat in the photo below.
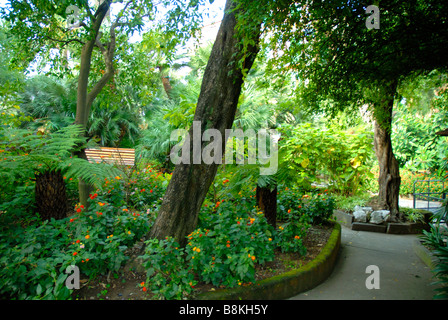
(124, 156)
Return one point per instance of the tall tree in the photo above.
(348, 56)
(232, 55)
(47, 25)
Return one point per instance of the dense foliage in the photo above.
(308, 82)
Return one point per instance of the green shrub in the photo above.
(230, 240)
(167, 275)
(341, 157)
(35, 255)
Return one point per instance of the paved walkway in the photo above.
(402, 274)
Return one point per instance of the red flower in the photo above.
(75, 253)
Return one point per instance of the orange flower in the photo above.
(87, 237)
(150, 191)
(253, 258)
(78, 210)
(75, 253)
(143, 190)
(289, 210)
(144, 289)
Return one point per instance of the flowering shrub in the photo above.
(224, 250)
(167, 275)
(35, 255)
(315, 208)
(140, 189)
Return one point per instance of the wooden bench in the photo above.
(119, 156)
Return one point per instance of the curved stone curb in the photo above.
(424, 254)
(288, 284)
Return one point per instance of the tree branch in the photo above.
(65, 42)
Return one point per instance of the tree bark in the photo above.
(267, 202)
(85, 98)
(389, 173)
(217, 104)
(51, 195)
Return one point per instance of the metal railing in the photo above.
(429, 196)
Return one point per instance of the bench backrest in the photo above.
(120, 156)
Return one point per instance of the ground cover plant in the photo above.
(36, 253)
(231, 239)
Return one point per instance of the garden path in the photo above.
(402, 275)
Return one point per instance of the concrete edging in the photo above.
(347, 220)
(424, 254)
(288, 284)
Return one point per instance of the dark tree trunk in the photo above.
(217, 104)
(267, 202)
(389, 174)
(51, 195)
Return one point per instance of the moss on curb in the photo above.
(290, 283)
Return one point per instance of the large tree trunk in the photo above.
(51, 195)
(267, 202)
(217, 104)
(389, 174)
